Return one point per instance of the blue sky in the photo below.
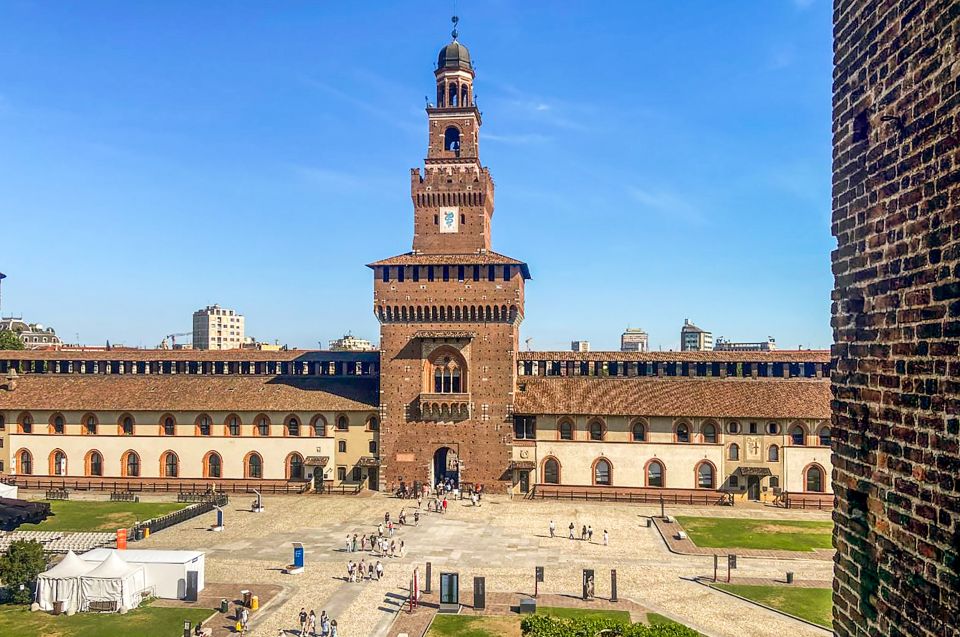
(654, 161)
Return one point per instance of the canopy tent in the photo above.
(8, 490)
(166, 571)
(62, 583)
(113, 581)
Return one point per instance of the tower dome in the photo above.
(454, 56)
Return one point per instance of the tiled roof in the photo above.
(79, 392)
(781, 356)
(740, 398)
(131, 354)
(472, 258)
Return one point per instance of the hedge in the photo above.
(546, 626)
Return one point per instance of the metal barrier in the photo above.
(170, 519)
(126, 485)
(632, 497)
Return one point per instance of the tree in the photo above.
(19, 569)
(9, 340)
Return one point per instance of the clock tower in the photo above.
(450, 309)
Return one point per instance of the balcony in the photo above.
(448, 407)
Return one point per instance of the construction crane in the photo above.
(527, 342)
(173, 340)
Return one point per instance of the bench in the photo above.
(103, 607)
(120, 496)
(58, 494)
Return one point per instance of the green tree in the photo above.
(9, 340)
(19, 569)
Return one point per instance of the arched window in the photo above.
(814, 479)
(373, 424)
(705, 476)
(26, 463)
(126, 426)
(797, 436)
(683, 433)
(451, 139)
(94, 464)
(171, 465)
(774, 482)
(254, 466)
(343, 423)
(709, 433)
(773, 454)
(58, 463)
(734, 452)
(130, 466)
(551, 471)
(319, 426)
(824, 436)
(448, 375)
(295, 466)
(601, 472)
(90, 424)
(204, 425)
(58, 426)
(639, 432)
(169, 427)
(342, 446)
(26, 424)
(213, 465)
(733, 427)
(596, 430)
(566, 430)
(293, 426)
(233, 426)
(655, 474)
(263, 426)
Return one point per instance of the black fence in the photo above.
(158, 486)
(170, 519)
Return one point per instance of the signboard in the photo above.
(732, 561)
(450, 219)
(297, 555)
(449, 588)
(539, 573)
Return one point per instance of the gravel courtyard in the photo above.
(502, 540)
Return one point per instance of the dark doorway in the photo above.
(446, 466)
(524, 482)
(373, 479)
(753, 487)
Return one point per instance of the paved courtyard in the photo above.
(503, 540)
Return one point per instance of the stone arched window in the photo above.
(447, 371)
(58, 463)
(798, 435)
(597, 430)
(90, 424)
(295, 466)
(373, 423)
(93, 464)
(709, 433)
(682, 433)
(292, 426)
(551, 471)
(204, 425)
(823, 436)
(168, 426)
(566, 429)
(706, 475)
(126, 425)
(25, 462)
(451, 138)
(130, 464)
(733, 452)
(733, 427)
(253, 466)
(170, 465)
(233, 425)
(655, 475)
(212, 465)
(639, 431)
(343, 423)
(262, 427)
(319, 426)
(814, 478)
(26, 423)
(602, 472)
(57, 424)
(773, 453)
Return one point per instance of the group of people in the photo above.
(315, 626)
(359, 571)
(586, 532)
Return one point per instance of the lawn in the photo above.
(146, 621)
(655, 619)
(812, 604)
(509, 625)
(738, 533)
(85, 515)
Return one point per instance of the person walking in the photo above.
(606, 537)
(553, 528)
(354, 542)
(583, 532)
(571, 530)
(372, 570)
(347, 543)
(400, 549)
(380, 530)
(324, 624)
(416, 516)
(333, 629)
(244, 618)
(379, 570)
(312, 623)
(589, 533)
(361, 571)
(303, 622)
(444, 504)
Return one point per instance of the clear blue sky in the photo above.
(654, 161)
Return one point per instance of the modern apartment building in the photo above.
(215, 327)
(694, 339)
(634, 340)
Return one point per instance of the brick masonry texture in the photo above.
(896, 317)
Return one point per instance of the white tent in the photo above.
(167, 572)
(8, 490)
(62, 583)
(113, 581)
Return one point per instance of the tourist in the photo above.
(606, 537)
(571, 530)
(363, 542)
(390, 529)
(333, 629)
(444, 505)
(589, 533)
(386, 518)
(312, 623)
(583, 532)
(416, 516)
(303, 621)
(324, 624)
(354, 545)
(361, 571)
(349, 571)
(393, 548)
(553, 528)
(379, 570)
(347, 543)
(371, 570)
(401, 548)
(244, 618)
(419, 501)
(380, 530)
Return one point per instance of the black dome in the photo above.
(454, 56)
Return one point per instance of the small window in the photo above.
(58, 426)
(773, 454)
(342, 446)
(753, 427)
(446, 273)
(233, 427)
(341, 474)
(342, 423)
(169, 427)
(214, 466)
(824, 437)
(133, 464)
(601, 472)
(255, 466)
(296, 467)
(734, 481)
(655, 474)
(293, 427)
(797, 435)
(127, 426)
(566, 430)
(96, 464)
(551, 471)
(733, 427)
(373, 446)
(203, 424)
(683, 433)
(734, 452)
(373, 424)
(263, 427)
(639, 432)
(596, 430)
(170, 465)
(773, 428)
(705, 476)
(26, 425)
(709, 434)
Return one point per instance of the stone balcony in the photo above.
(449, 407)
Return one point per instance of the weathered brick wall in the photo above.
(896, 317)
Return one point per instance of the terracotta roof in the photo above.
(185, 355)
(695, 397)
(472, 258)
(79, 392)
(783, 356)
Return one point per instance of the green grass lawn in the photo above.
(18, 621)
(812, 604)
(81, 515)
(787, 535)
(474, 626)
(655, 619)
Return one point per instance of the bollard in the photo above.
(789, 577)
(426, 588)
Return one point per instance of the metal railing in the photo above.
(602, 494)
(121, 485)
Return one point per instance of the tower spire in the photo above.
(455, 33)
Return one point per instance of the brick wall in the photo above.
(896, 317)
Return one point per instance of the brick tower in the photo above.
(450, 309)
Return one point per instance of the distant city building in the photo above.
(215, 327)
(768, 345)
(694, 339)
(252, 343)
(350, 343)
(580, 346)
(33, 335)
(634, 340)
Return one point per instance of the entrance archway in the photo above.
(446, 466)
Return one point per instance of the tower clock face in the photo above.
(450, 219)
